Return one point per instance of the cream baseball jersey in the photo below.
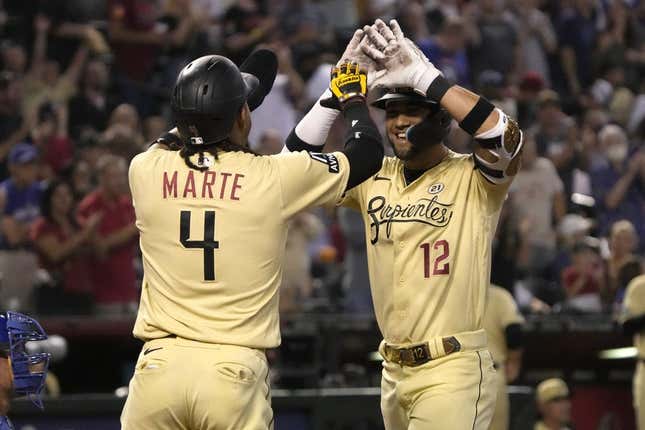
(212, 242)
(429, 246)
(633, 307)
(501, 311)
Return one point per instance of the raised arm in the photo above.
(404, 65)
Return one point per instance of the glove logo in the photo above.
(436, 188)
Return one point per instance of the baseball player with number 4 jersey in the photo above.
(430, 215)
(213, 221)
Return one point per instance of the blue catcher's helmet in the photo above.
(5, 424)
(29, 371)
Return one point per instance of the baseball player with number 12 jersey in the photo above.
(430, 215)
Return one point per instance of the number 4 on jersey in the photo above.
(208, 244)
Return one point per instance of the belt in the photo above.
(418, 354)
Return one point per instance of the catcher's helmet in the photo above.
(207, 97)
(433, 128)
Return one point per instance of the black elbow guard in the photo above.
(514, 336)
(295, 144)
(634, 325)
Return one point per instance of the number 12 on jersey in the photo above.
(441, 252)
(208, 244)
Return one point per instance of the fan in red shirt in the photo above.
(64, 249)
(584, 279)
(113, 274)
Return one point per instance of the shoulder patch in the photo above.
(329, 159)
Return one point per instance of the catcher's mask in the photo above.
(434, 127)
(29, 371)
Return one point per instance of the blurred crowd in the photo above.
(84, 86)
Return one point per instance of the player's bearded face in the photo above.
(398, 118)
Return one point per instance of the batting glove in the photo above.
(348, 83)
(404, 65)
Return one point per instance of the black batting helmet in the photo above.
(435, 127)
(207, 97)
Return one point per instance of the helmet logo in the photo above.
(196, 141)
(436, 188)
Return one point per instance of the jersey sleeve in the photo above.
(352, 198)
(491, 195)
(634, 302)
(311, 179)
(509, 313)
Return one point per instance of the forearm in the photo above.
(568, 58)
(363, 146)
(56, 252)
(513, 364)
(14, 232)
(119, 237)
(559, 206)
(459, 102)
(312, 130)
(73, 71)
(39, 54)
(120, 34)
(547, 37)
(616, 195)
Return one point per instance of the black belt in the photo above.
(418, 354)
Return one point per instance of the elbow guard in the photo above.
(496, 148)
(514, 336)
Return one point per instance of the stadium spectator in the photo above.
(536, 36)
(14, 57)
(113, 274)
(153, 127)
(628, 271)
(538, 203)
(619, 182)
(287, 90)
(64, 248)
(245, 25)
(297, 283)
(72, 26)
(584, 279)
(623, 243)
(303, 21)
(553, 127)
(529, 87)
(554, 405)
(270, 142)
(136, 40)
(91, 107)
(50, 137)
(356, 283)
(14, 124)
(577, 26)
(44, 82)
(412, 19)
(123, 136)
(495, 44)
(80, 179)
(447, 51)
(20, 205)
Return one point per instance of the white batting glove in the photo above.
(403, 64)
(354, 54)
